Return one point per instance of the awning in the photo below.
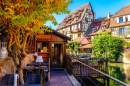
(86, 46)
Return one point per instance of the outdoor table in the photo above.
(37, 64)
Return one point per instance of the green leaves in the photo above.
(108, 46)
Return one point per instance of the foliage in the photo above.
(73, 46)
(106, 45)
(14, 47)
(21, 18)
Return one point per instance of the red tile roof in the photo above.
(79, 12)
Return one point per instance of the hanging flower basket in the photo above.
(70, 31)
(93, 31)
(77, 28)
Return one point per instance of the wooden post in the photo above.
(107, 81)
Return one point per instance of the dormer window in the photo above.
(121, 19)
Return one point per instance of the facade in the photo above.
(120, 23)
(76, 24)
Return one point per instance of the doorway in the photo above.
(57, 55)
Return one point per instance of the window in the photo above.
(121, 19)
(121, 31)
(79, 35)
(70, 27)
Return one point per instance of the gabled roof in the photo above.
(60, 34)
(99, 23)
(78, 12)
(79, 39)
(124, 11)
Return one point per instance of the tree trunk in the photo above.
(20, 71)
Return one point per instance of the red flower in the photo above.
(70, 31)
(93, 31)
(77, 28)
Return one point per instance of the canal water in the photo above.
(120, 71)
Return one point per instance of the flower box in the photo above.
(99, 24)
(94, 24)
(77, 28)
(79, 13)
(108, 22)
(70, 31)
(86, 21)
(103, 22)
(103, 30)
(93, 31)
(90, 13)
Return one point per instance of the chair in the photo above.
(33, 79)
(8, 79)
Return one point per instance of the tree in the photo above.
(106, 45)
(73, 46)
(22, 18)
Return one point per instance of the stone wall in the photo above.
(7, 65)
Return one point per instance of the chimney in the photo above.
(94, 16)
(108, 15)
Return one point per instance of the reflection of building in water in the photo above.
(126, 68)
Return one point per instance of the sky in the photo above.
(100, 7)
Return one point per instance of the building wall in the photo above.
(7, 65)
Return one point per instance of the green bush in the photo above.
(106, 45)
(14, 47)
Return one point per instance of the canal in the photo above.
(119, 71)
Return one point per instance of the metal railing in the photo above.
(83, 72)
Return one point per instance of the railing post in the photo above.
(107, 81)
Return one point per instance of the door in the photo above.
(57, 55)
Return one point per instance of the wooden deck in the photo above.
(59, 78)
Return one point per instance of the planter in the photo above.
(77, 28)
(103, 23)
(93, 31)
(76, 20)
(79, 13)
(3, 53)
(70, 31)
(99, 24)
(108, 22)
(90, 13)
(103, 30)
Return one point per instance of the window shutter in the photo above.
(128, 29)
(128, 17)
(117, 19)
(124, 19)
(117, 31)
(125, 30)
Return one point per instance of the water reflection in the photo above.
(119, 71)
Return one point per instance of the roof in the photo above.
(79, 39)
(123, 11)
(79, 12)
(96, 21)
(87, 46)
(60, 34)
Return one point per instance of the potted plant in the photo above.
(90, 13)
(79, 13)
(103, 23)
(94, 24)
(76, 20)
(98, 24)
(108, 22)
